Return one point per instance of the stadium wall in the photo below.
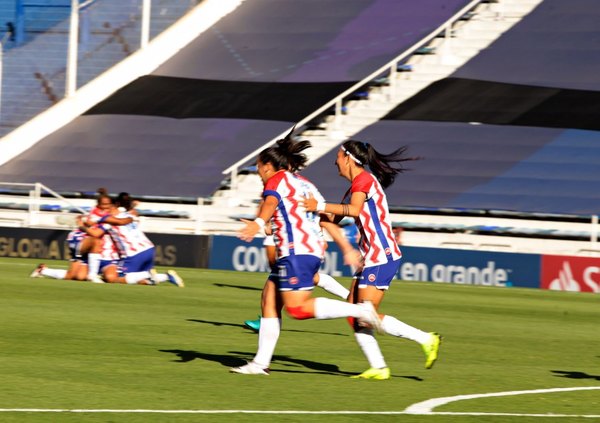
(466, 267)
(49, 244)
(485, 268)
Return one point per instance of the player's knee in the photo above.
(299, 313)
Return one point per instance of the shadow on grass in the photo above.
(241, 325)
(290, 364)
(574, 375)
(208, 322)
(248, 288)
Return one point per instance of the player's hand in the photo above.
(268, 230)
(248, 232)
(310, 203)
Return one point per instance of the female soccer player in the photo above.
(367, 203)
(300, 249)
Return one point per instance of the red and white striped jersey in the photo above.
(96, 214)
(129, 239)
(296, 231)
(108, 249)
(377, 244)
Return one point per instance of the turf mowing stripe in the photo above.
(426, 407)
(341, 412)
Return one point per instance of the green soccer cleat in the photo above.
(253, 324)
(431, 348)
(375, 374)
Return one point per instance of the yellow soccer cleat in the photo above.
(431, 348)
(375, 374)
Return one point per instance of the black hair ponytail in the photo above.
(381, 165)
(286, 154)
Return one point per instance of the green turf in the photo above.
(75, 345)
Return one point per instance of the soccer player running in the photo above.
(367, 203)
(300, 250)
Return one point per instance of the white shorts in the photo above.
(269, 240)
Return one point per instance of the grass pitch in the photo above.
(68, 345)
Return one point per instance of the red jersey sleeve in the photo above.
(362, 183)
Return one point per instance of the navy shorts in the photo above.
(296, 273)
(141, 262)
(378, 276)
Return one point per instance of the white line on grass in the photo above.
(421, 408)
(298, 412)
(426, 407)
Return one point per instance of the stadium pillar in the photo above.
(71, 74)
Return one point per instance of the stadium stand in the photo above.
(498, 134)
(254, 74)
(34, 69)
(227, 93)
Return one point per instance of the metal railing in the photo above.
(35, 193)
(337, 102)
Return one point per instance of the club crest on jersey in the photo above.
(372, 277)
(293, 280)
(291, 247)
(387, 251)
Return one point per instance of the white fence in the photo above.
(36, 205)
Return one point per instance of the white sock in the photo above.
(370, 348)
(332, 286)
(93, 265)
(134, 277)
(395, 327)
(160, 277)
(54, 273)
(326, 308)
(267, 340)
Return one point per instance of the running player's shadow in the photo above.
(574, 375)
(248, 288)
(239, 358)
(238, 325)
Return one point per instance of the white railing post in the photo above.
(233, 178)
(199, 216)
(594, 232)
(71, 73)
(393, 74)
(338, 114)
(34, 203)
(145, 33)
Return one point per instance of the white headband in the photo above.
(349, 154)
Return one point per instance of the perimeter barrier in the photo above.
(439, 265)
